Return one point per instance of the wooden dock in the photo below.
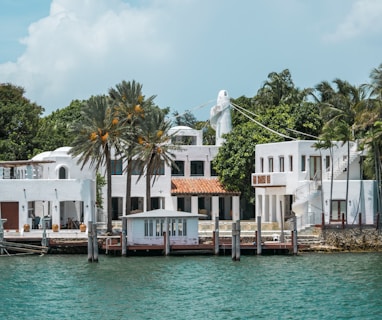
(113, 245)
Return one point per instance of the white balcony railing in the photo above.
(271, 179)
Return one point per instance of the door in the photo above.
(315, 168)
(10, 211)
(338, 208)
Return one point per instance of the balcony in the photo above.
(271, 179)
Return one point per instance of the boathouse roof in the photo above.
(162, 213)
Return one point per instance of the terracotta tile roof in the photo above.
(199, 186)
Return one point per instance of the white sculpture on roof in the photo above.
(220, 116)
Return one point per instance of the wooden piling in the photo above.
(95, 242)
(322, 224)
(124, 234)
(166, 238)
(2, 221)
(90, 242)
(216, 236)
(258, 239)
(360, 221)
(294, 236)
(343, 220)
(237, 251)
(323, 220)
(44, 240)
(233, 242)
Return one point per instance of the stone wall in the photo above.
(355, 239)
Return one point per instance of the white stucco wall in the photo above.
(48, 191)
(136, 227)
(309, 202)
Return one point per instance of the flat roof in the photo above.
(20, 163)
(162, 213)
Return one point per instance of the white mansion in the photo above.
(295, 178)
(292, 178)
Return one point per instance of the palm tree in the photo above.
(97, 132)
(339, 111)
(325, 142)
(278, 89)
(376, 83)
(130, 105)
(154, 148)
(373, 139)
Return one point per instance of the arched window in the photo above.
(62, 173)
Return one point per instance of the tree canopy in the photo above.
(19, 123)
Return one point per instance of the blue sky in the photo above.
(183, 51)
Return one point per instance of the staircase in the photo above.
(340, 164)
(305, 196)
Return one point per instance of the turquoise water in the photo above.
(311, 286)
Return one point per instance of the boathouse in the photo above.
(148, 228)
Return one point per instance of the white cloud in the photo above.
(363, 19)
(84, 47)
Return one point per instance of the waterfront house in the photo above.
(49, 188)
(147, 228)
(192, 186)
(53, 186)
(294, 178)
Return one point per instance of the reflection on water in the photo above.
(312, 286)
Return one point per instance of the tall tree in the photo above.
(339, 109)
(54, 130)
(278, 89)
(97, 132)
(131, 107)
(185, 119)
(369, 120)
(19, 123)
(154, 148)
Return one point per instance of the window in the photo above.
(184, 227)
(137, 167)
(290, 163)
(213, 172)
(180, 227)
(338, 208)
(156, 203)
(172, 227)
(146, 228)
(62, 173)
(178, 168)
(160, 170)
(261, 164)
(31, 209)
(315, 167)
(201, 203)
(327, 164)
(137, 204)
(159, 223)
(270, 164)
(303, 163)
(197, 168)
(116, 167)
(281, 159)
(181, 206)
(149, 228)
